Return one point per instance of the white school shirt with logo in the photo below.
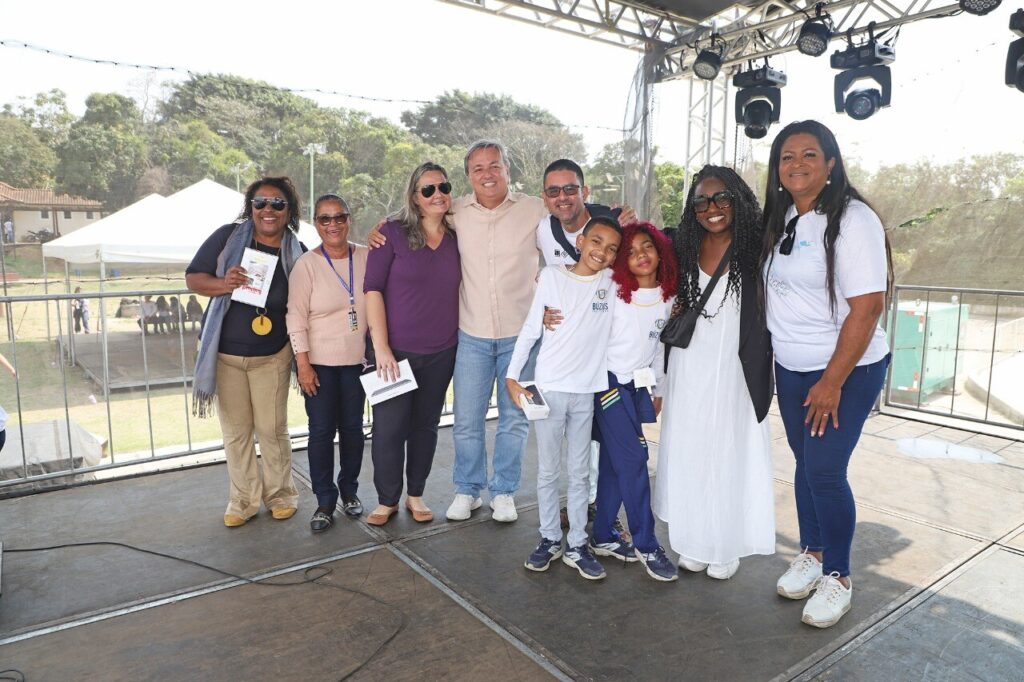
(636, 330)
(573, 357)
(804, 331)
(553, 252)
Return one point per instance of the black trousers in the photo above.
(405, 428)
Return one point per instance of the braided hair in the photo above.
(747, 238)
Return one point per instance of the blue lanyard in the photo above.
(348, 288)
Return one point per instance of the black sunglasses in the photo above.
(721, 199)
(428, 190)
(278, 204)
(339, 218)
(570, 190)
(786, 247)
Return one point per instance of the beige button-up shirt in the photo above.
(498, 248)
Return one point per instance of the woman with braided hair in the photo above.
(714, 482)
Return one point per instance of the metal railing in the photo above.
(957, 352)
(84, 403)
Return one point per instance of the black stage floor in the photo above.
(938, 574)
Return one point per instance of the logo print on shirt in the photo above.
(600, 305)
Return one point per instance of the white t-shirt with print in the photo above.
(804, 331)
(553, 252)
(636, 330)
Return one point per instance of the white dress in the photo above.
(714, 482)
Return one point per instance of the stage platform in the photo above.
(938, 569)
(132, 367)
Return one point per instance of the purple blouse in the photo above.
(420, 289)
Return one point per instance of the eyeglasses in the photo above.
(428, 190)
(786, 246)
(338, 219)
(570, 190)
(276, 203)
(721, 199)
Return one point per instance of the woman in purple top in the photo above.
(412, 306)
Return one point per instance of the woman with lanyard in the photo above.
(826, 273)
(245, 361)
(327, 325)
(412, 302)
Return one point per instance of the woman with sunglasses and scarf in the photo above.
(245, 360)
(714, 482)
(327, 325)
(412, 303)
(826, 273)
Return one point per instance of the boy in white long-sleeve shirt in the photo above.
(571, 367)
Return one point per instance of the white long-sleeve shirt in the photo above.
(573, 357)
(636, 330)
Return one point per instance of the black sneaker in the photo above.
(658, 566)
(352, 507)
(547, 551)
(583, 561)
(323, 518)
(616, 549)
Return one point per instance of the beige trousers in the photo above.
(252, 398)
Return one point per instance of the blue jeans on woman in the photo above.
(825, 507)
(337, 408)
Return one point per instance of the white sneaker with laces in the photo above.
(830, 602)
(723, 571)
(691, 565)
(462, 506)
(800, 578)
(504, 507)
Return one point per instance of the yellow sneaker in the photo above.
(282, 513)
(233, 521)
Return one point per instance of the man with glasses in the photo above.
(565, 196)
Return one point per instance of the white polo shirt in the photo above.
(804, 331)
(553, 252)
(636, 331)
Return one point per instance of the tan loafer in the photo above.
(420, 516)
(233, 521)
(282, 513)
(377, 518)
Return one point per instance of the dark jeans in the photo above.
(337, 408)
(405, 428)
(824, 501)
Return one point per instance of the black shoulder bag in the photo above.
(679, 329)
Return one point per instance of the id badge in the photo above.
(353, 321)
(644, 378)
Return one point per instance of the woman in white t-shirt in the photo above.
(827, 271)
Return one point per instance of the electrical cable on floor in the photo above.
(15, 675)
(321, 572)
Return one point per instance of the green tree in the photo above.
(671, 193)
(458, 118)
(24, 160)
(47, 115)
(190, 151)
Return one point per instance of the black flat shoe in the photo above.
(352, 507)
(322, 519)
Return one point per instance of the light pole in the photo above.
(238, 168)
(311, 150)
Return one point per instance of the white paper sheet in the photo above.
(378, 390)
(260, 268)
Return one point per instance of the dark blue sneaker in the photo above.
(583, 561)
(616, 549)
(658, 566)
(547, 551)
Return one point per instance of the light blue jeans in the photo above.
(569, 427)
(478, 364)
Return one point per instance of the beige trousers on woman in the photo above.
(252, 397)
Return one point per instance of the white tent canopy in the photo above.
(158, 229)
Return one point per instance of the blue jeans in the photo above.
(478, 364)
(337, 408)
(824, 501)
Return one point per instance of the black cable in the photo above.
(322, 572)
(20, 676)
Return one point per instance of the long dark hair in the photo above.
(747, 237)
(832, 201)
(284, 184)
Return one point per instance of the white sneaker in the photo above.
(691, 565)
(801, 578)
(830, 601)
(462, 506)
(504, 508)
(723, 571)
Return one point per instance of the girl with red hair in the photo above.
(646, 278)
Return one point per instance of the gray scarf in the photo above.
(204, 382)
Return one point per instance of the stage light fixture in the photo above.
(815, 33)
(709, 61)
(979, 7)
(758, 99)
(866, 61)
(1015, 55)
